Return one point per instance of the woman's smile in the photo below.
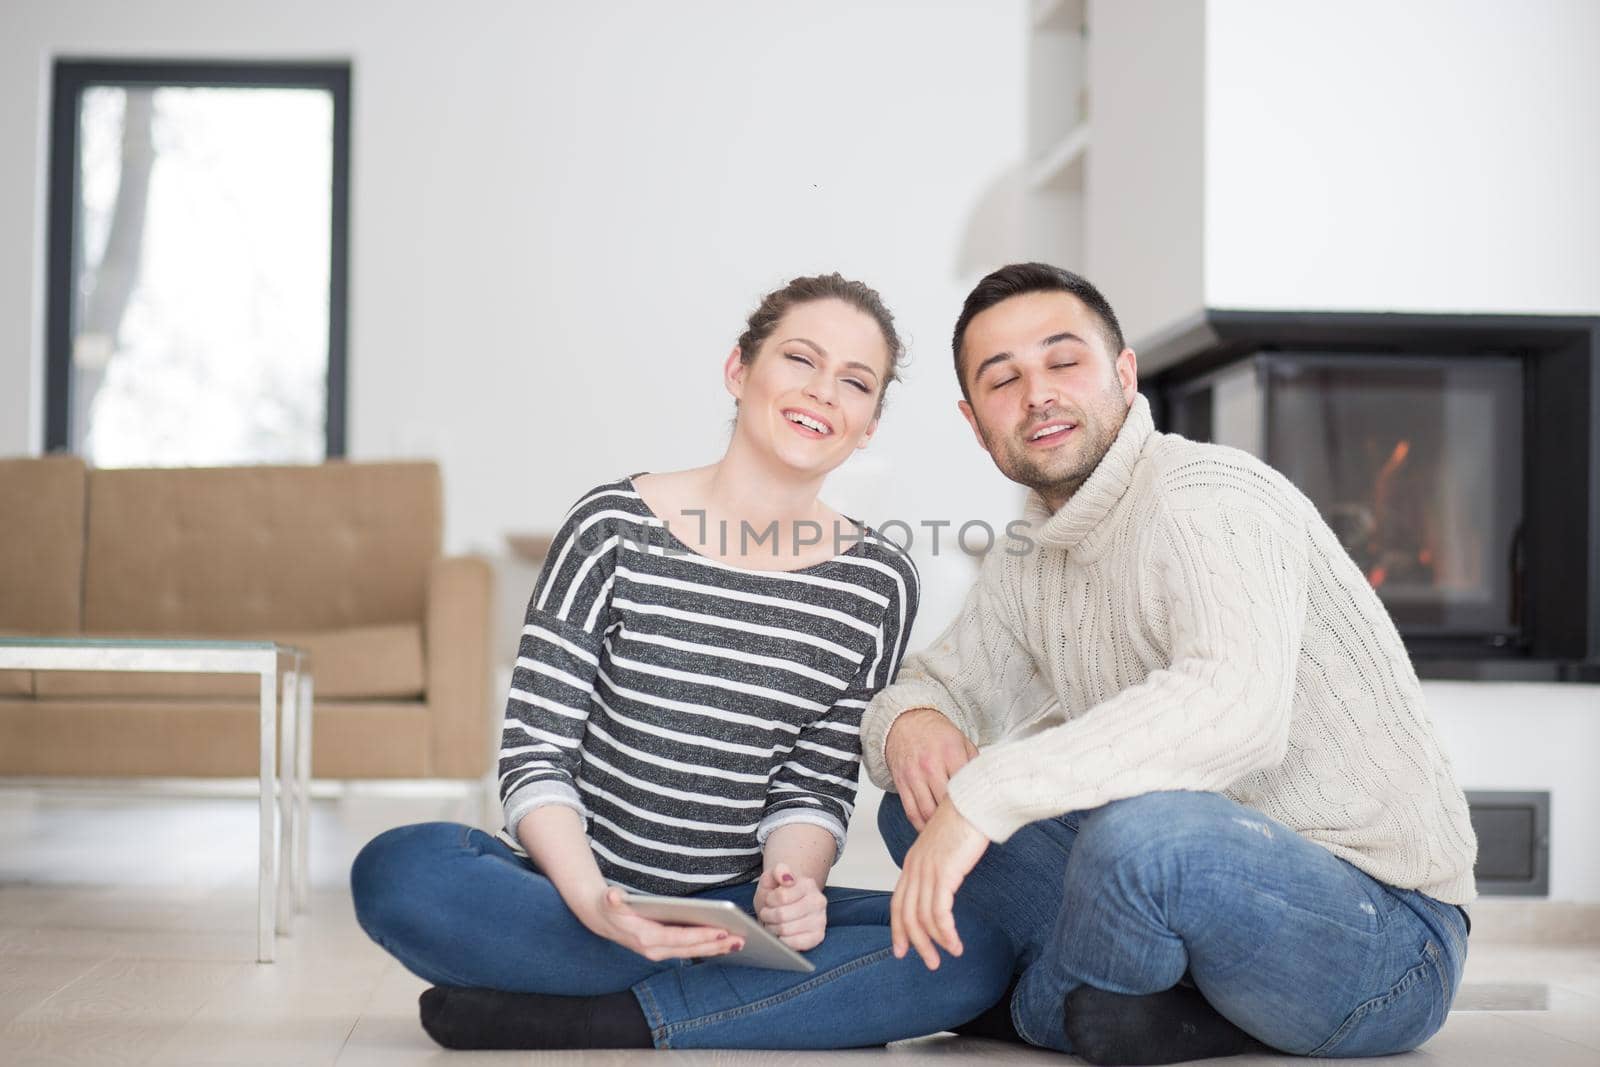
(808, 423)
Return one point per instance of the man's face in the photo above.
(1047, 394)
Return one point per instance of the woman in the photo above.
(684, 719)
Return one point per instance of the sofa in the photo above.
(340, 559)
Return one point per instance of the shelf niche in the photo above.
(1058, 133)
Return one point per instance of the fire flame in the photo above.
(1391, 466)
(1380, 501)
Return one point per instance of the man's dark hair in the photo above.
(1019, 279)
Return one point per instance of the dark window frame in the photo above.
(71, 77)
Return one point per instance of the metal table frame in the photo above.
(285, 804)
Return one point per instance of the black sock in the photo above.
(489, 1018)
(1167, 1027)
(994, 1023)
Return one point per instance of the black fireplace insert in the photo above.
(1457, 458)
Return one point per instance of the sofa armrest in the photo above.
(456, 644)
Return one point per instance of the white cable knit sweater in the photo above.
(1188, 621)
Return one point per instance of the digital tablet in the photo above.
(761, 949)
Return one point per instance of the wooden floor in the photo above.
(127, 936)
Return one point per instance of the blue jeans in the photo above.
(458, 907)
(1292, 944)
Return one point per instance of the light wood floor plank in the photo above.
(119, 1012)
(130, 938)
(26, 982)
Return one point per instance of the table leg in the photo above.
(303, 773)
(266, 888)
(288, 806)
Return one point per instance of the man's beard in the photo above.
(1057, 474)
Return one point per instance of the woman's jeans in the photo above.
(459, 908)
(1292, 944)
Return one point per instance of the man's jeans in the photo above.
(1292, 944)
(457, 907)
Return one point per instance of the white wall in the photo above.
(1146, 177)
(562, 212)
(1532, 737)
(1421, 155)
(1409, 155)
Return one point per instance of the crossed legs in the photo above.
(1287, 942)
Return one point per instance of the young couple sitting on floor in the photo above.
(1165, 789)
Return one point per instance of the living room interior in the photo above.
(315, 318)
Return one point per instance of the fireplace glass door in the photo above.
(1415, 462)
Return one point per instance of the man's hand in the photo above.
(921, 913)
(792, 908)
(613, 920)
(924, 750)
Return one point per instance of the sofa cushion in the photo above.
(259, 550)
(356, 663)
(204, 739)
(364, 662)
(41, 545)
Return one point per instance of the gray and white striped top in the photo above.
(687, 708)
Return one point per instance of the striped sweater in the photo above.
(686, 708)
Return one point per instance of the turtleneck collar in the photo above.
(1100, 492)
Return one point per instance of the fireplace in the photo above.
(1415, 462)
(1456, 458)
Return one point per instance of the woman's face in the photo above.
(810, 395)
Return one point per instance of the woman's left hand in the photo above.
(791, 907)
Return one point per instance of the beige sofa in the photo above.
(342, 559)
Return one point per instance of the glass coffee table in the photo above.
(285, 749)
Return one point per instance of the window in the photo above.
(197, 263)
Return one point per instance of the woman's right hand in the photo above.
(555, 838)
(613, 920)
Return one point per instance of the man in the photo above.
(1173, 741)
